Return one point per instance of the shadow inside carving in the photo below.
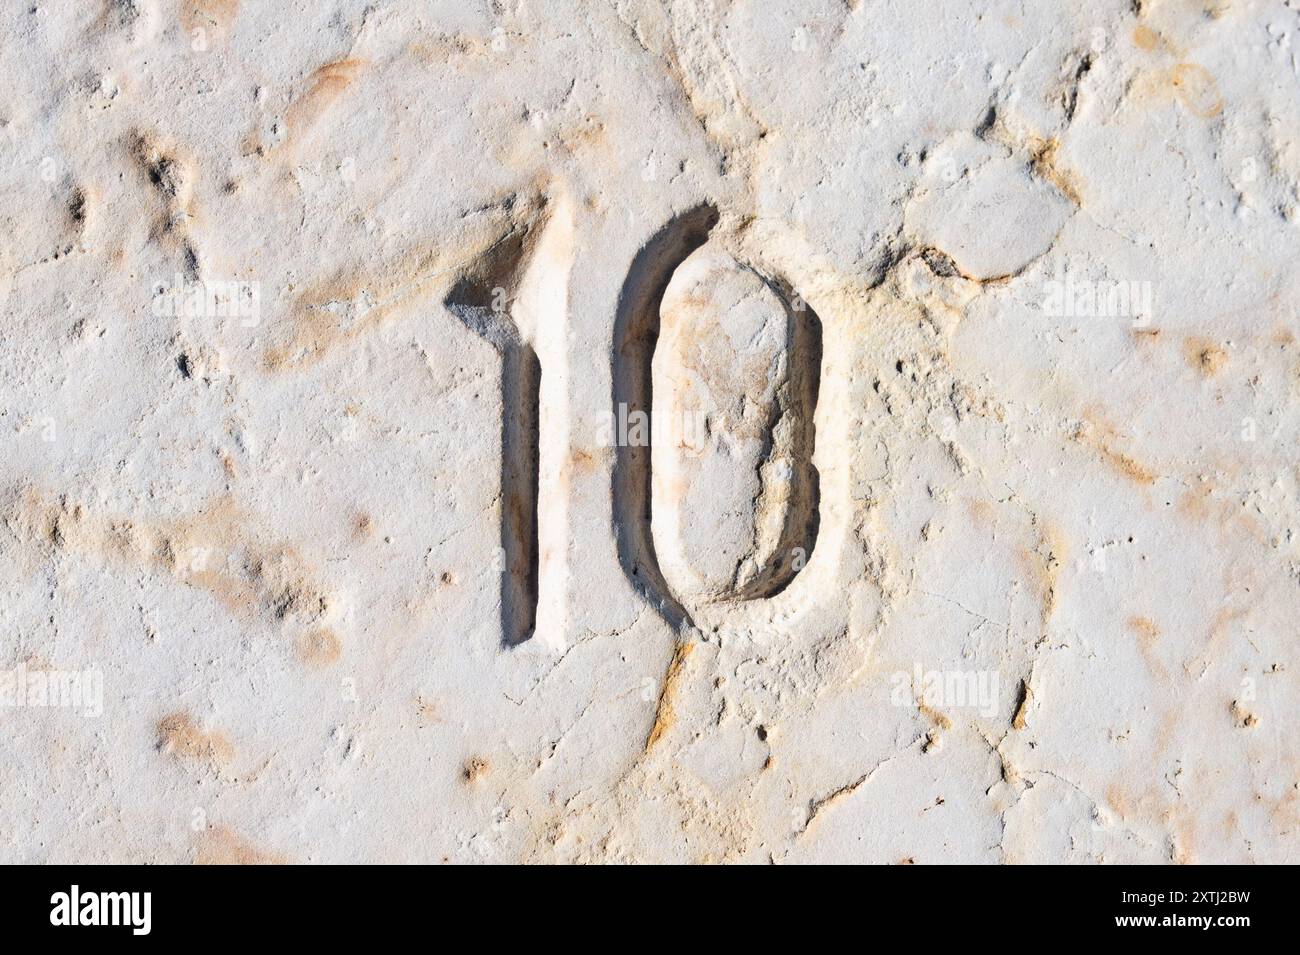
(802, 513)
(636, 331)
(480, 301)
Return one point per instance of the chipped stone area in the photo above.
(631, 431)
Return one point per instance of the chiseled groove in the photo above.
(636, 331)
(801, 512)
(477, 300)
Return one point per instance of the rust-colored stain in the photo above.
(1043, 566)
(1148, 634)
(664, 713)
(1189, 85)
(583, 462)
(179, 736)
(1127, 466)
(1242, 716)
(219, 845)
(1196, 90)
(518, 519)
(475, 768)
(1118, 801)
(940, 720)
(1102, 439)
(427, 711)
(981, 513)
(1043, 159)
(324, 87)
(1204, 356)
(1144, 38)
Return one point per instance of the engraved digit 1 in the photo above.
(515, 297)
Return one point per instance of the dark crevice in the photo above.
(636, 332)
(521, 381)
(803, 514)
(481, 300)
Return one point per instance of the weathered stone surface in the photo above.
(323, 327)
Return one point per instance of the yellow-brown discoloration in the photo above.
(1144, 38)
(1206, 505)
(179, 736)
(1182, 836)
(324, 88)
(217, 549)
(664, 713)
(1102, 439)
(222, 846)
(214, 17)
(1043, 566)
(1189, 85)
(318, 648)
(427, 711)
(1204, 356)
(1196, 90)
(940, 720)
(1242, 716)
(1147, 636)
(981, 513)
(1043, 159)
(169, 179)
